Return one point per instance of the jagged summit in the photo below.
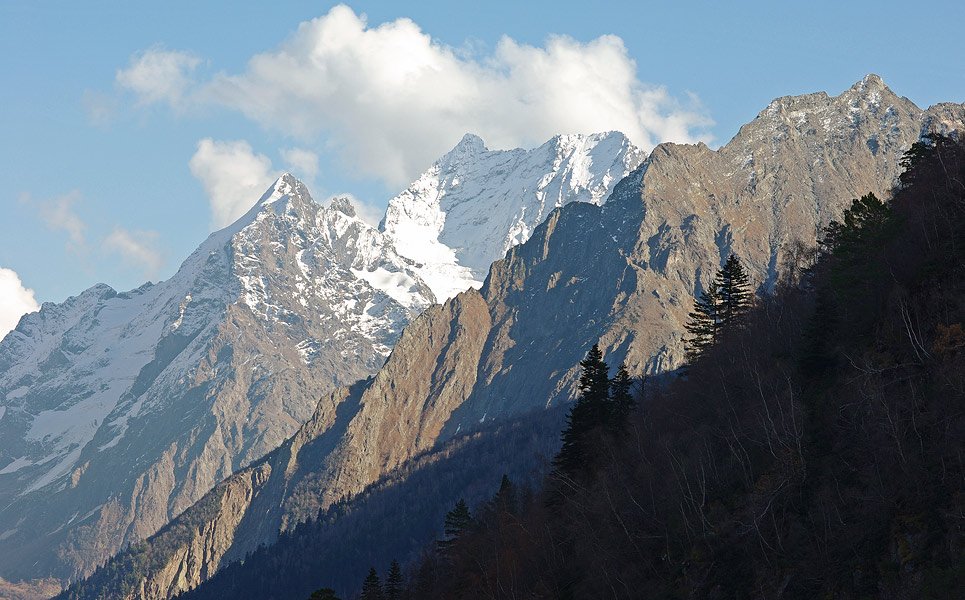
(286, 189)
(870, 83)
(473, 204)
(221, 362)
(468, 145)
(870, 90)
(343, 205)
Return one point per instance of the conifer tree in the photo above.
(372, 587)
(393, 582)
(591, 410)
(867, 219)
(458, 521)
(621, 398)
(595, 385)
(505, 499)
(704, 323)
(324, 594)
(719, 307)
(734, 291)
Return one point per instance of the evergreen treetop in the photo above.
(621, 398)
(718, 308)
(594, 384)
(372, 587)
(394, 583)
(704, 322)
(591, 410)
(505, 498)
(458, 519)
(734, 290)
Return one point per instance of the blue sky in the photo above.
(128, 131)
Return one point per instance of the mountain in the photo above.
(474, 204)
(811, 452)
(120, 410)
(623, 273)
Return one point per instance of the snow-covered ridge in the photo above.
(69, 373)
(128, 406)
(473, 204)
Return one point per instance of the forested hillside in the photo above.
(814, 450)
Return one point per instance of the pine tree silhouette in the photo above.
(734, 291)
(372, 587)
(394, 583)
(720, 307)
(704, 323)
(505, 499)
(621, 398)
(591, 410)
(458, 521)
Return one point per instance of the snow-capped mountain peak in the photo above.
(473, 204)
(127, 407)
(469, 144)
(105, 396)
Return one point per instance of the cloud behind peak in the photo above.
(389, 99)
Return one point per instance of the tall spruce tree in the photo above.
(720, 307)
(505, 499)
(372, 587)
(595, 386)
(394, 584)
(621, 398)
(458, 521)
(704, 323)
(734, 291)
(590, 411)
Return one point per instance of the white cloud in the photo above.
(15, 300)
(303, 163)
(58, 215)
(136, 248)
(158, 75)
(233, 176)
(389, 99)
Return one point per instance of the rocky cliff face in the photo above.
(121, 410)
(623, 274)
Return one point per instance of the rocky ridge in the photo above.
(119, 411)
(623, 273)
(122, 410)
(474, 204)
